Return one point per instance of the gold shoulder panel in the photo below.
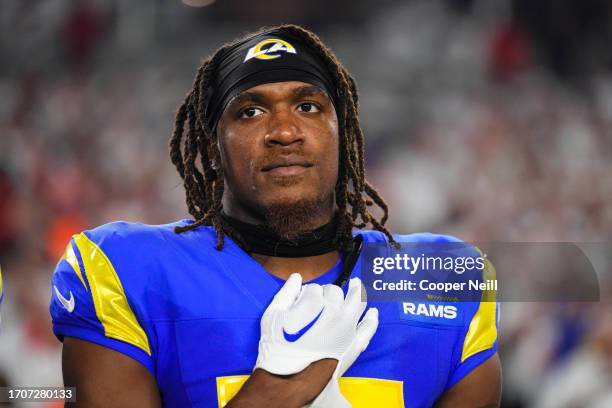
(110, 302)
(71, 258)
(482, 332)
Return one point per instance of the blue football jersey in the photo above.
(1, 287)
(191, 315)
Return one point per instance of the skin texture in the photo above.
(271, 123)
(267, 123)
(263, 389)
(480, 389)
(106, 378)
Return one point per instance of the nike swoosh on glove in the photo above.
(287, 346)
(331, 397)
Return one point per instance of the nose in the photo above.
(283, 130)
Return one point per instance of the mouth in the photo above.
(290, 165)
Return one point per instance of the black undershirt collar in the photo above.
(260, 239)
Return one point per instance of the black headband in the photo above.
(272, 56)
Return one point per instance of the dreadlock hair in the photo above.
(192, 137)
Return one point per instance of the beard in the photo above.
(291, 220)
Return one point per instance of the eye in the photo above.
(308, 107)
(250, 112)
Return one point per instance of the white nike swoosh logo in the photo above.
(68, 304)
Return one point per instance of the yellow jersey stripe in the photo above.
(360, 392)
(110, 302)
(482, 332)
(71, 258)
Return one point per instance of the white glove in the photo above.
(306, 324)
(331, 397)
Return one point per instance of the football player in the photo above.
(206, 312)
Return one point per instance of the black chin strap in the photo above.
(350, 259)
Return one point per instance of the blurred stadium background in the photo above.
(487, 119)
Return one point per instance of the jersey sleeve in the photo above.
(1, 293)
(478, 341)
(89, 302)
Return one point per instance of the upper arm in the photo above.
(479, 389)
(106, 378)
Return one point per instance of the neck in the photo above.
(311, 253)
(263, 240)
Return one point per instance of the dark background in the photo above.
(486, 119)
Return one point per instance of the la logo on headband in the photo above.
(269, 49)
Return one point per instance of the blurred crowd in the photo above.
(474, 127)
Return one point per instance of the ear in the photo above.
(215, 144)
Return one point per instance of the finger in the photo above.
(306, 308)
(287, 295)
(333, 294)
(354, 305)
(355, 292)
(366, 328)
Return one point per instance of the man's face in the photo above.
(279, 148)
